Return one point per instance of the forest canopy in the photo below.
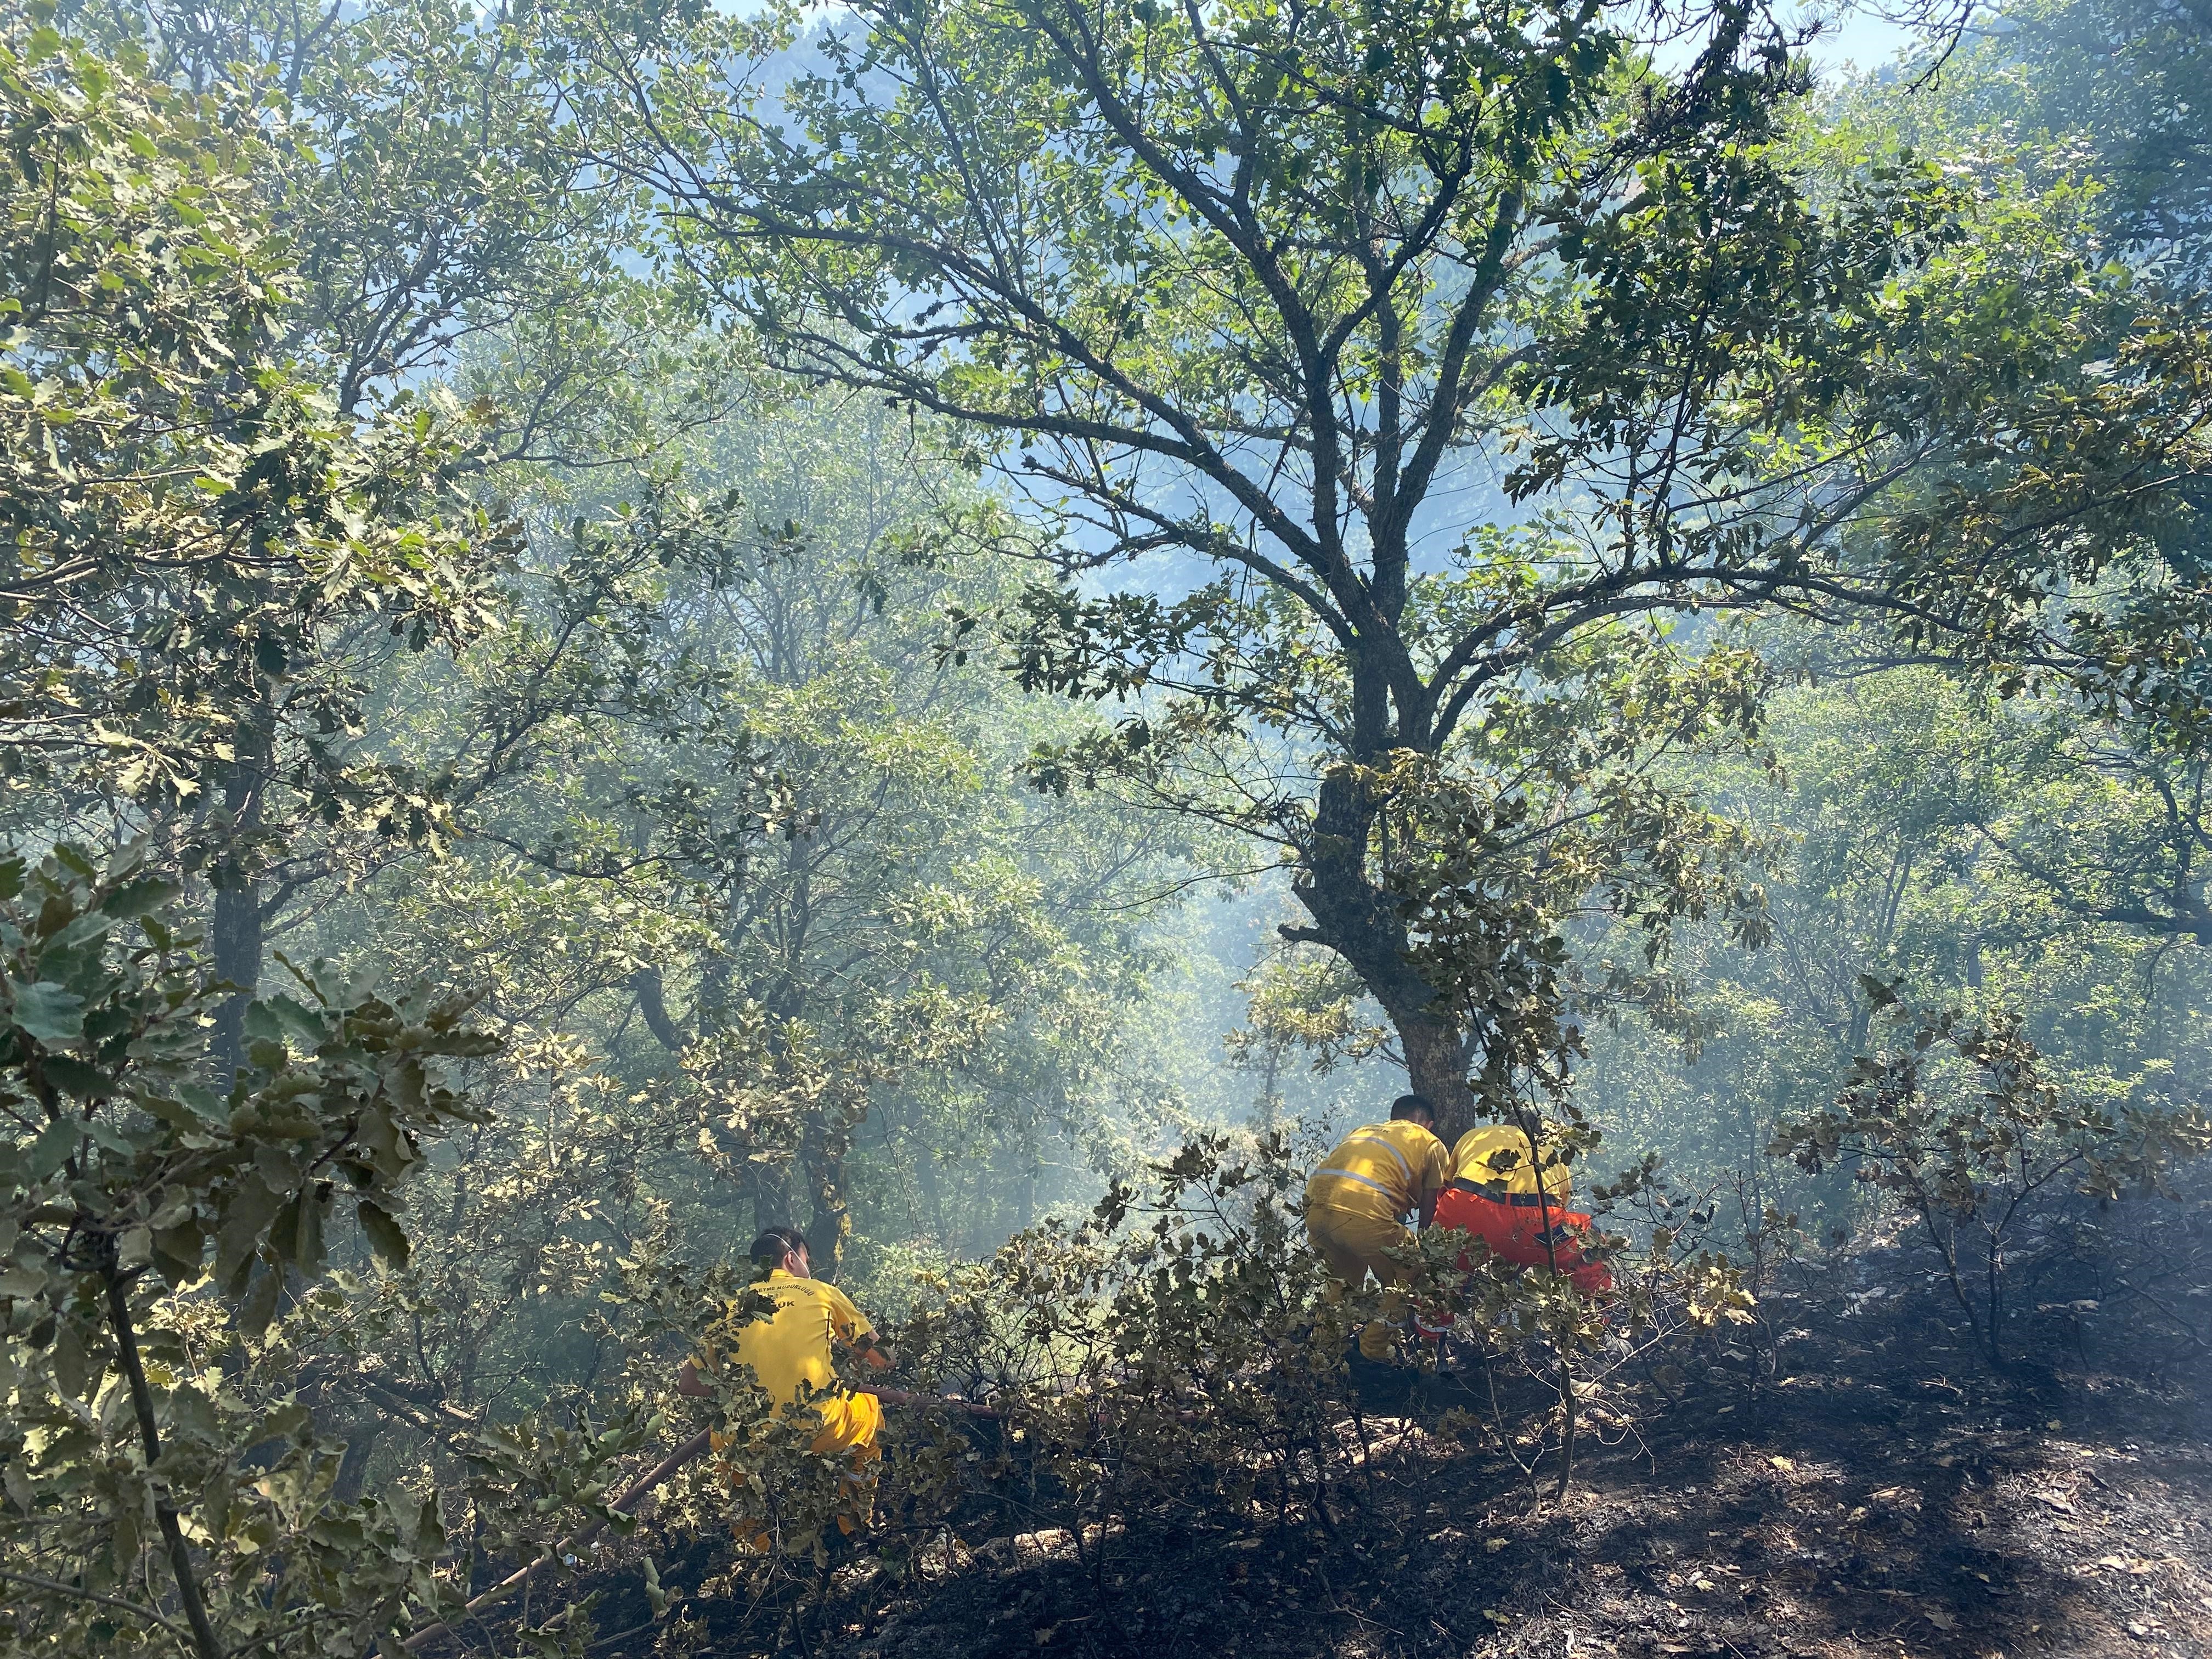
(973, 626)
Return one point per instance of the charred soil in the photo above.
(1846, 1479)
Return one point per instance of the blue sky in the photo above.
(1859, 38)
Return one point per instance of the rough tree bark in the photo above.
(829, 1224)
(1361, 923)
(236, 927)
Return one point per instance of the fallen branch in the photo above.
(415, 1415)
(569, 1545)
(637, 1489)
(901, 1397)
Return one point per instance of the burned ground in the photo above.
(1852, 1481)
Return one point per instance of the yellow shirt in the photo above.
(1498, 1154)
(1385, 1170)
(793, 1345)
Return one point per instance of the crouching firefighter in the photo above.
(791, 1348)
(1499, 1195)
(1358, 1201)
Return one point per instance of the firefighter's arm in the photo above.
(688, 1381)
(877, 1354)
(1436, 1172)
(1431, 1190)
(850, 1327)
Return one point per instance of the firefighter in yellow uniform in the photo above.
(1358, 1200)
(1524, 1214)
(790, 1354)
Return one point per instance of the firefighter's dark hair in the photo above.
(1413, 1106)
(771, 1247)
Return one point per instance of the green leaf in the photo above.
(296, 1235)
(259, 1306)
(251, 1208)
(73, 1368)
(178, 1252)
(204, 1101)
(109, 1137)
(76, 1078)
(139, 899)
(385, 1236)
(52, 1148)
(193, 1417)
(295, 1019)
(284, 1422)
(49, 1012)
(308, 1248)
(1877, 994)
(191, 1110)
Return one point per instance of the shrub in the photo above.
(1957, 1127)
(163, 1489)
(1179, 1359)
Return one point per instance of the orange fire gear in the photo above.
(1493, 1196)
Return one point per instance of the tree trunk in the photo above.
(353, 1465)
(652, 1004)
(1362, 924)
(236, 929)
(767, 1190)
(923, 1162)
(1271, 1102)
(237, 941)
(823, 1149)
(1437, 1056)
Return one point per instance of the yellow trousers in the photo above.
(1351, 1242)
(850, 1424)
(851, 1419)
(852, 1427)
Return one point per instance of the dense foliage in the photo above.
(622, 624)
(1262, 288)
